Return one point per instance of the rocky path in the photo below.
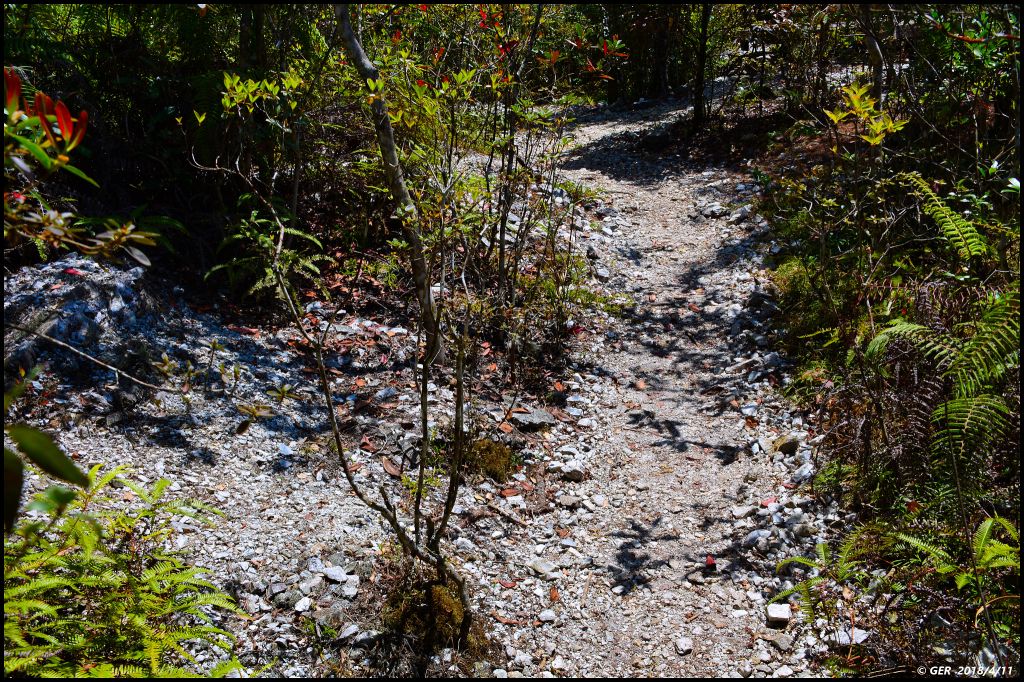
(640, 537)
(684, 473)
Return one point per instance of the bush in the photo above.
(90, 592)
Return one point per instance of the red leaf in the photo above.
(64, 120)
(505, 427)
(83, 121)
(553, 594)
(73, 271)
(710, 561)
(507, 584)
(12, 84)
(768, 500)
(509, 492)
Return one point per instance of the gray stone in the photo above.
(743, 512)
(846, 637)
(287, 599)
(784, 671)
(782, 642)
(303, 604)
(569, 501)
(602, 274)
(779, 615)
(534, 420)
(753, 536)
(572, 471)
(335, 574)
(546, 616)
(544, 568)
(684, 645)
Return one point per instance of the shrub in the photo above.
(91, 592)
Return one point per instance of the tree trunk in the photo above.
(700, 107)
(407, 213)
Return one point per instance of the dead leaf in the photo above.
(559, 414)
(360, 382)
(506, 621)
(693, 307)
(509, 492)
(507, 584)
(354, 467)
(367, 445)
(505, 427)
(391, 468)
(520, 410)
(639, 384)
(553, 594)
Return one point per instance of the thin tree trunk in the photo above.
(407, 213)
(699, 103)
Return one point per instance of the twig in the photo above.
(508, 515)
(117, 372)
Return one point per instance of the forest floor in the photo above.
(640, 537)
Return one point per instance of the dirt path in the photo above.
(671, 458)
(595, 560)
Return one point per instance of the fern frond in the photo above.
(934, 345)
(969, 423)
(905, 540)
(961, 233)
(994, 349)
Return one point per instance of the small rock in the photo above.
(546, 616)
(743, 512)
(335, 574)
(303, 604)
(573, 472)
(602, 274)
(787, 445)
(779, 615)
(684, 645)
(846, 637)
(534, 420)
(544, 568)
(782, 642)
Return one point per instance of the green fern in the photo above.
(961, 233)
(97, 594)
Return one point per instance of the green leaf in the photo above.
(74, 171)
(53, 499)
(41, 449)
(14, 476)
(35, 150)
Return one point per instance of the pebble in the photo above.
(684, 645)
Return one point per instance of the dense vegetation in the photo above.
(268, 150)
